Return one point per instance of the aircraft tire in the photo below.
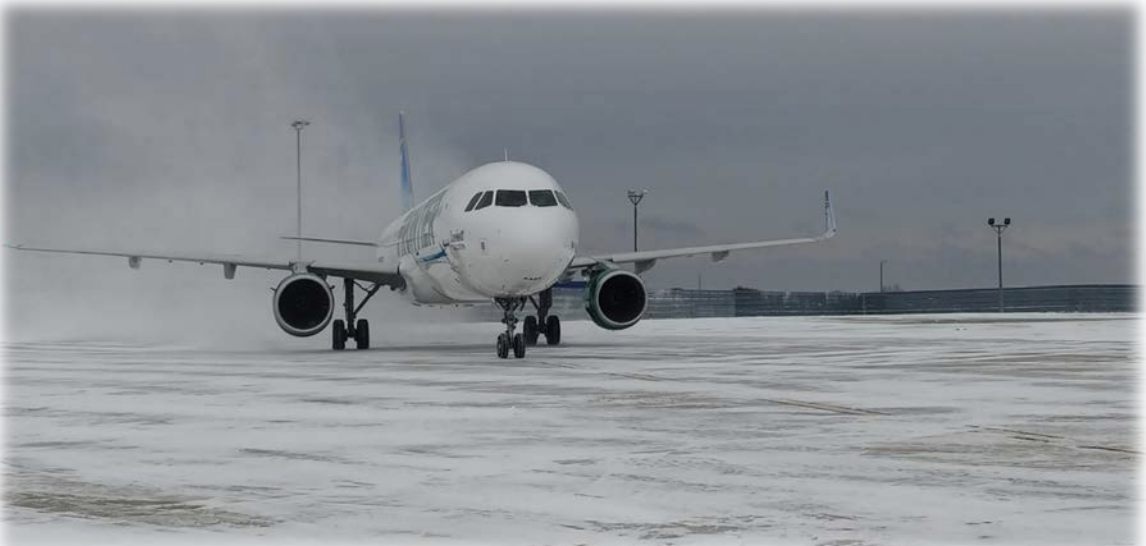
(553, 330)
(518, 346)
(362, 334)
(529, 328)
(338, 335)
(502, 346)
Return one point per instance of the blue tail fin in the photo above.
(407, 183)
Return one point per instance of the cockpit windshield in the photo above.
(473, 201)
(542, 198)
(510, 198)
(486, 200)
(517, 198)
(564, 201)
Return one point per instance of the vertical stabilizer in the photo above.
(407, 184)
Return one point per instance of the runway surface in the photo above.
(810, 430)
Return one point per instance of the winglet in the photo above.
(407, 185)
(829, 217)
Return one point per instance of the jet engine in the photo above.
(303, 304)
(615, 299)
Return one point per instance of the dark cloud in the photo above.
(170, 129)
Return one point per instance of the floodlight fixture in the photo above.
(635, 197)
(999, 229)
(298, 125)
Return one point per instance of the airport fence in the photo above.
(748, 302)
(685, 303)
(1072, 299)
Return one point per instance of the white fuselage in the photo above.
(447, 254)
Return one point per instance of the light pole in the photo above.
(999, 229)
(635, 197)
(298, 126)
(881, 262)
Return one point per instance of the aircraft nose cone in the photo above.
(534, 258)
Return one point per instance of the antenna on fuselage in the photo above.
(507, 154)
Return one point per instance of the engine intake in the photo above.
(615, 299)
(303, 304)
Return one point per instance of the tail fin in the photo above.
(829, 216)
(407, 183)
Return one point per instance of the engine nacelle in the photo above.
(615, 299)
(303, 304)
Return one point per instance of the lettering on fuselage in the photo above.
(417, 231)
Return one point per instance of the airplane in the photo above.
(504, 231)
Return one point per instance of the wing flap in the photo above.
(365, 271)
(134, 257)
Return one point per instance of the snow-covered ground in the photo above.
(812, 430)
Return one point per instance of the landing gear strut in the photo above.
(543, 323)
(508, 340)
(360, 330)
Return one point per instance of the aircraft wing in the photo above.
(644, 260)
(364, 271)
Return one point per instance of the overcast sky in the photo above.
(170, 130)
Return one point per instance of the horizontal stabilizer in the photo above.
(331, 241)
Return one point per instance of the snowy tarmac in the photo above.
(804, 430)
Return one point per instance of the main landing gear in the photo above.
(359, 331)
(508, 339)
(544, 323)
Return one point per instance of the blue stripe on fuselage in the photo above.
(571, 284)
(439, 254)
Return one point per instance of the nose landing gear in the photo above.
(508, 340)
(532, 327)
(544, 323)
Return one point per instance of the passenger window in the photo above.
(542, 198)
(486, 200)
(473, 201)
(564, 201)
(510, 198)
